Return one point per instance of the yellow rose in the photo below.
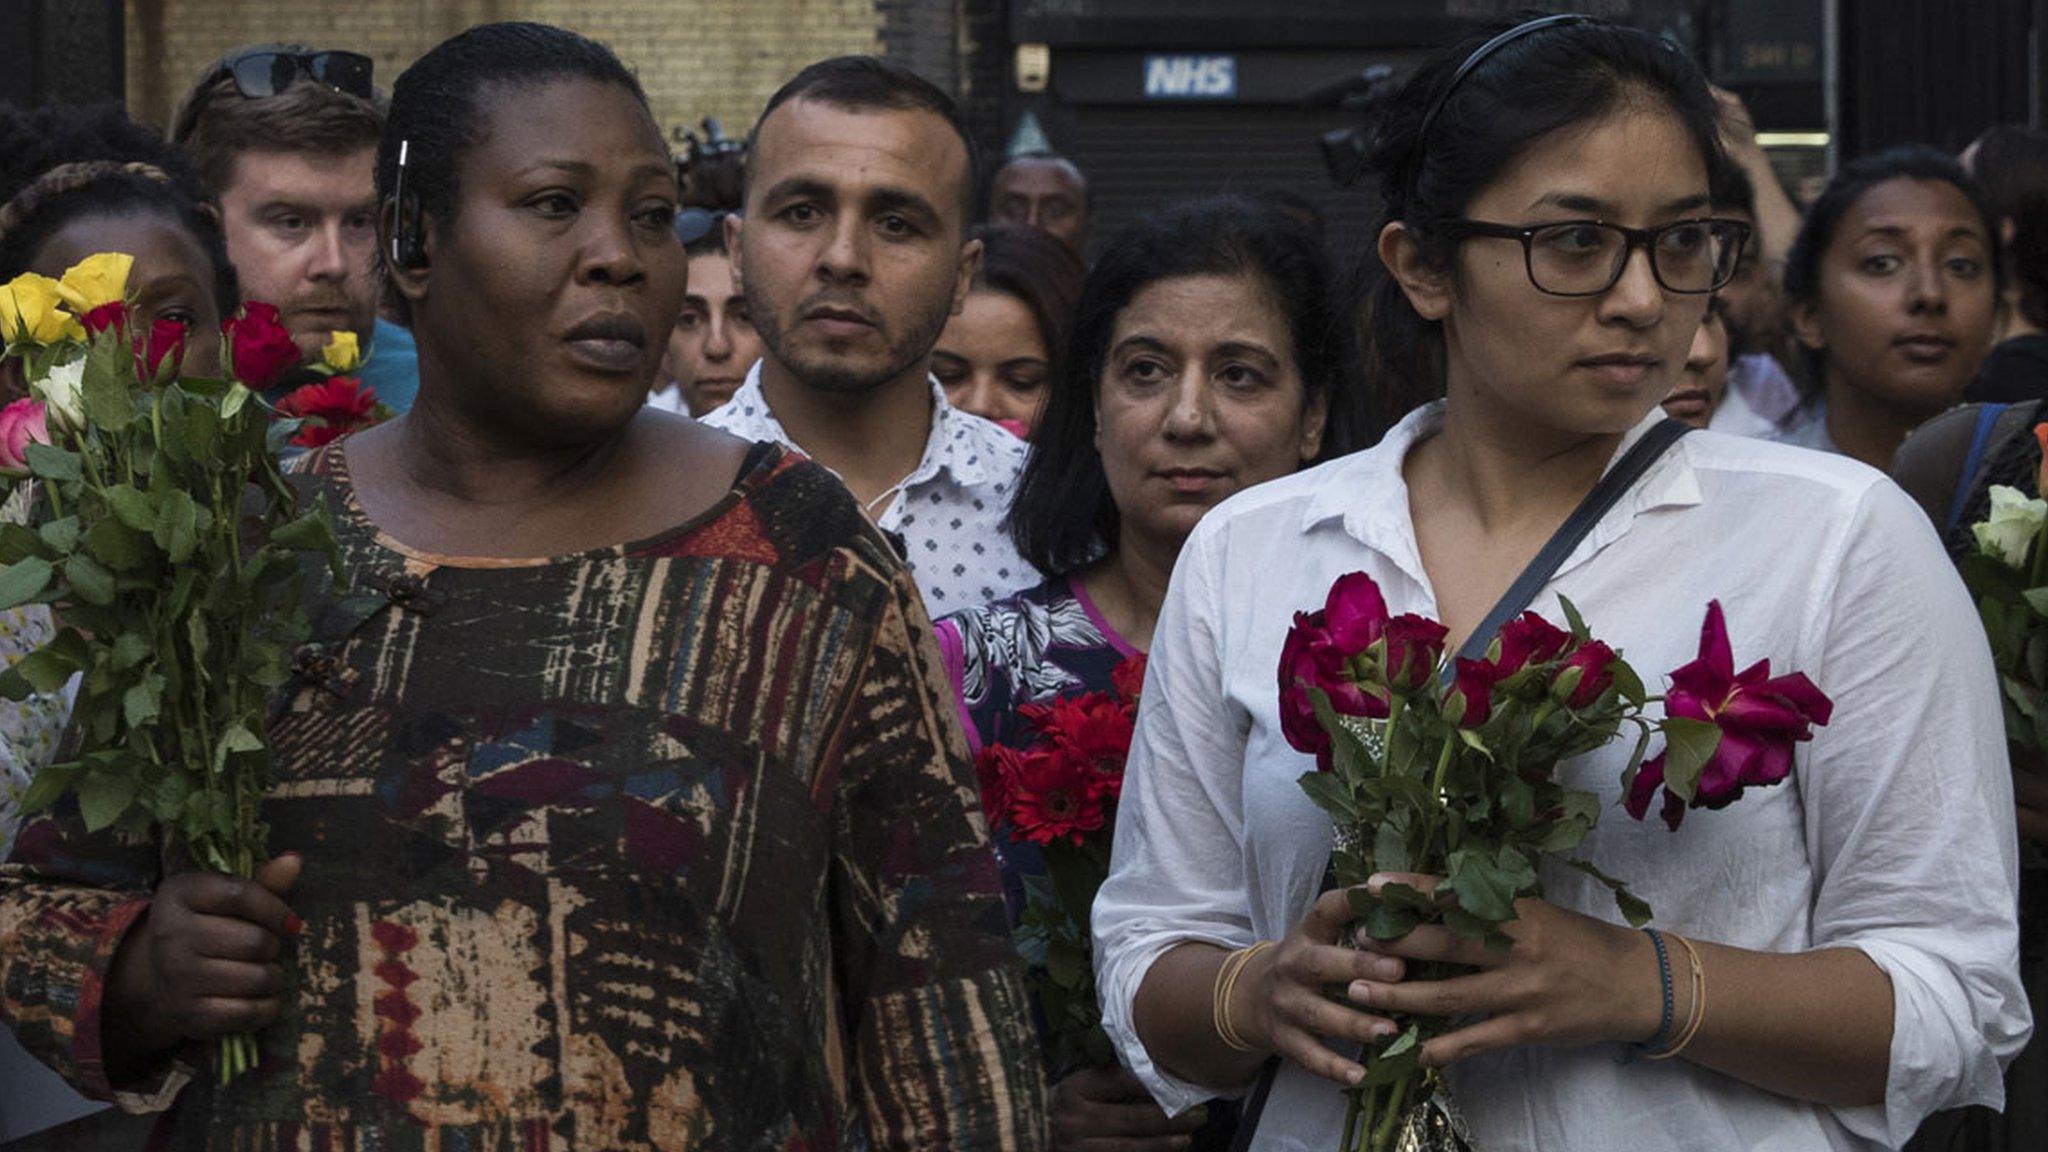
(30, 311)
(342, 352)
(95, 281)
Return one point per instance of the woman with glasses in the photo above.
(1894, 285)
(1548, 265)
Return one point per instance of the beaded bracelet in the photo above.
(1663, 1033)
(1697, 1015)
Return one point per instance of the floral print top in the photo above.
(29, 729)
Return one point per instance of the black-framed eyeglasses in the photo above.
(1586, 257)
(261, 73)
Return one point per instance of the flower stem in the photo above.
(1389, 1127)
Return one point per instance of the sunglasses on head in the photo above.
(263, 73)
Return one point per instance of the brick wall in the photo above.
(695, 57)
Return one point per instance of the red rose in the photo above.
(1470, 701)
(1529, 639)
(1355, 613)
(339, 404)
(164, 341)
(1414, 646)
(1586, 674)
(259, 348)
(1649, 778)
(1052, 798)
(113, 314)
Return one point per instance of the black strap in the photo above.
(1618, 480)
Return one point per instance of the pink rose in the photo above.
(21, 423)
(1760, 719)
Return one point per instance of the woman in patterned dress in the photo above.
(618, 801)
(1207, 357)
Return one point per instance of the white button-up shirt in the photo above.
(1894, 836)
(948, 512)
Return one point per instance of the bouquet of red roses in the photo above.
(1059, 791)
(1453, 773)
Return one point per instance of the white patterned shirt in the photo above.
(948, 512)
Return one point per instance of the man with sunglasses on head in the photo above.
(287, 136)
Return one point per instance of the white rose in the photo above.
(60, 388)
(2015, 521)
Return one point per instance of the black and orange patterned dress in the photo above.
(672, 845)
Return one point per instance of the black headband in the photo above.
(1477, 58)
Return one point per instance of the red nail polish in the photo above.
(293, 925)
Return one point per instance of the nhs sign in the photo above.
(1190, 77)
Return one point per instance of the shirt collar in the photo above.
(1385, 525)
(950, 447)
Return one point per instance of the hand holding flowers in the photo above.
(174, 551)
(1442, 783)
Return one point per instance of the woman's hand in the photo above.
(1569, 979)
(1107, 1110)
(202, 963)
(1286, 1007)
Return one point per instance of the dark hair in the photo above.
(307, 117)
(1543, 82)
(717, 183)
(1063, 515)
(437, 108)
(2011, 166)
(869, 83)
(142, 175)
(1728, 186)
(1036, 268)
(1849, 186)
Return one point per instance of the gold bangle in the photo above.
(1226, 983)
(1696, 1013)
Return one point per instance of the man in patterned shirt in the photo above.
(852, 254)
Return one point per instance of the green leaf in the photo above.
(140, 704)
(1482, 889)
(1633, 908)
(238, 395)
(59, 535)
(133, 506)
(19, 541)
(109, 392)
(1330, 794)
(1688, 745)
(2037, 599)
(177, 527)
(49, 786)
(103, 797)
(235, 739)
(1574, 623)
(171, 792)
(116, 545)
(24, 580)
(1398, 1060)
(49, 462)
(88, 579)
(129, 650)
(1627, 683)
(1390, 844)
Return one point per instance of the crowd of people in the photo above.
(730, 504)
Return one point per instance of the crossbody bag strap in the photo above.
(1516, 600)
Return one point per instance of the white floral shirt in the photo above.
(29, 729)
(948, 513)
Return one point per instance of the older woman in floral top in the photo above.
(1205, 359)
